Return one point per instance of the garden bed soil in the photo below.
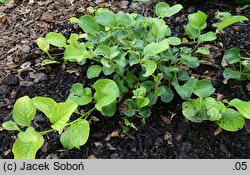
(166, 133)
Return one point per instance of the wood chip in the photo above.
(92, 157)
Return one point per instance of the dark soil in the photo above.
(166, 133)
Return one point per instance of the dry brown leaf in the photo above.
(7, 152)
(218, 131)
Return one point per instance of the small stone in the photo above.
(92, 157)
(124, 4)
(114, 156)
(47, 17)
(25, 48)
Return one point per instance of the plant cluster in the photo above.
(145, 63)
(30, 140)
(237, 66)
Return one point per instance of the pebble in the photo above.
(114, 156)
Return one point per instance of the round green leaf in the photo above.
(106, 92)
(107, 18)
(167, 96)
(185, 91)
(174, 41)
(43, 44)
(56, 39)
(78, 54)
(142, 102)
(203, 50)
(88, 24)
(61, 114)
(242, 106)
(150, 67)
(129, 107)
(80, 95)
(231, 120)
(231, 74)
(109, 110)
(173, 10)
(24, 111)
(162, 9)
(76, 135)
(232, 55)
(153, 49)
(203, 88)
(44, 104)
(160, 29)
(209, 36)
(27, 144)
(94, 71)
(198, 20)
(191, 31)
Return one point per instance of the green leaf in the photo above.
(173, 10)
(76, 135)
(203, 88)
(242, 106)
(61, 114)
(109, 110)
(203, 50)
(191, 31)
(129, 107)
(209, 36)
(229, 21)
(160, 29)
(248, 86)
(80, 95)
(183, 75)
(107, 18)
(43, 44)
(231, 74)
(94, 71)
(214, 108)
(73, 20)
(142, 102)
(78, 54)
(174, 41)
(198, 20)
(232, 55)
(231, 120)
(24, 111)
(185, 91)
(56, 39)
(167, 96)
(44, 104)
(153, 49)
(106, 92)
(150, 67)
(27, 144)
(130, 124)
(10, 126)
(162, 9)
(139, 92)
(194, 110)
(88, 24)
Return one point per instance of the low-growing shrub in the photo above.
(145, 63)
